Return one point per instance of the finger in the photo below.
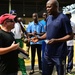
(13, 42)
(18, 43)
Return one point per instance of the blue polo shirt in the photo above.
(57, 27)
(43, 22)
(35, 27)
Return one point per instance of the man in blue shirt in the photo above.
(58, 32)
(35, 28)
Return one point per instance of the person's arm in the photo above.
(9, 49)
(31, 34)
(63, 39)
(36, 39)
(35, 33)
(42, 37)
(23, 29)
(40, 34)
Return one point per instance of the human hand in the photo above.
(51, 41)
(14, 46)
(34, 33)
(34, 39)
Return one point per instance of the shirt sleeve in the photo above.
(67, 25)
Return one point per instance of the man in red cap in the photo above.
(8, 47)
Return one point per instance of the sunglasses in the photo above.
(10, 21)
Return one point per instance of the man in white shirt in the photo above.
(70, 47)
(17, 35)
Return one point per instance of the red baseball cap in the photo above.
(6, 16)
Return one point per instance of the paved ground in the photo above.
(27, 63)
(28, 70)
(37, 72)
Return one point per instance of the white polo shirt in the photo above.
(17, 31)
(71, 42)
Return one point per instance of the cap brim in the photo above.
(14, 14)
(12, 17)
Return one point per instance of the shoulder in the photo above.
(48, 17)
(43, 22)
(63, 16)
(31, 23)
(39, 23)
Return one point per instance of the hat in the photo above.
(13, 12)
(6, 16)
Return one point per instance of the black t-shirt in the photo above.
(8, 61)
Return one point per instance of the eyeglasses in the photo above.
(10, 21)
